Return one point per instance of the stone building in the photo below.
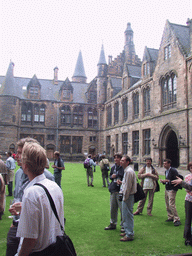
(140, 108)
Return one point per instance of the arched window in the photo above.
(169, 91)
(146, 101)
(65, 113)
(135, 105)
(26, 112)
(92, 118)
(78, 116)
(116, 113)
(125, 109)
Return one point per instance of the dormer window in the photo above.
(167, 52)
(66, 94)
(34, 89)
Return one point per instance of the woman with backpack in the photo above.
(104, 165)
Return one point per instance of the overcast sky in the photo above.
(38, 35)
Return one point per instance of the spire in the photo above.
(8, 86)
(79, 74)
(102, 56)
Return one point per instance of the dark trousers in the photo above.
(188, 220)
(10, 188)
(12, 242)
(57, 176)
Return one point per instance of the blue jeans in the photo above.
(127, 211)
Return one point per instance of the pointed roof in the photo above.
(67, 85)
(102, 56)
(79, 68)
(182, 34)
(8, 85)
(34, 81)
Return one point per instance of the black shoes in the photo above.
(111, 227)
(169, 220)
(177, 223)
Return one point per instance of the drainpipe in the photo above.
(57, 127)
(187, 107)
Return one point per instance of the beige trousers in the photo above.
(170, 205)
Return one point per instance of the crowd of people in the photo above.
(35, 227)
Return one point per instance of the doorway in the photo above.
(172, 150)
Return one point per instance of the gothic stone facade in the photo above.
(140, 108)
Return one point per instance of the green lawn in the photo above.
(87, 213)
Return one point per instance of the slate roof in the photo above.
(134, 71)
(153, 53)
(49, 91)
(182, 34)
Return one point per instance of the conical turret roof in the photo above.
(102, 56)
(79, 69)
(8, 86)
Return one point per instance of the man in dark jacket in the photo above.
(170, 192)
(116, 173)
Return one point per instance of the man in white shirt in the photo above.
(128, 189)
(38, 226)
(10, 163)
(149, 175)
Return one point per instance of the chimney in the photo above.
(55, 80)
(109, 59)
(189, 24)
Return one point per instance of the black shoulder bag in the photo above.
(63, 245)
(139, 195)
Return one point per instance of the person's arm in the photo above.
(141, 174)
(27, 246)
(184, 184)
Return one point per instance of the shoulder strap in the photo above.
(51, 203)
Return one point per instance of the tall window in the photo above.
(65, 143)
(146, 69)
(117, 142)
(92, 118)
(125, 109)
(135, 105)
(109, 115)
(65, 113)
(26, 111)
(116, 113)
(167, 52)
(136, 143)
(124, 142)
(147, 141)
(77, 144)
(169, 91)
(78, 116)
(39, 114)
(108, 145)
(146, 100)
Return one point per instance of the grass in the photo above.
(87, 213)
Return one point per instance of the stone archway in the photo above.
(168, 142)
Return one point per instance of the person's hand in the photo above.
(15, 208)
(119, 182)
(113, 176)
(54, 166)
(164, 181)
(177, 181)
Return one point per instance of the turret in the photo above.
(101, 77)
(79, 74)
(129, 45)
